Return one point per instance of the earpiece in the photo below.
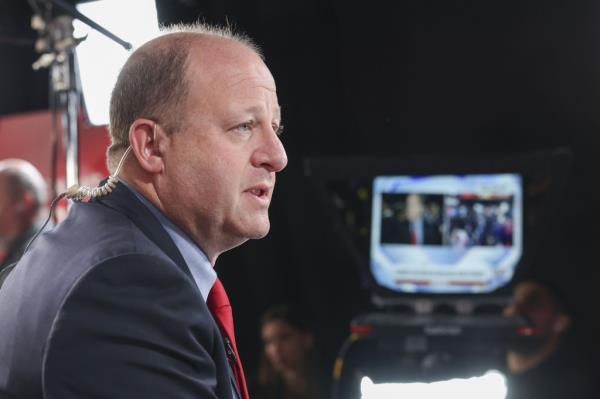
(77, 193)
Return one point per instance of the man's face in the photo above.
(535, 303)
(285, 346)
(414, 207)
(220, 168)
(8, 213)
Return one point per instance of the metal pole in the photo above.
(63, 71)
(57, 45)
(72, 112)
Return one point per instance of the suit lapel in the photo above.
(125, 202)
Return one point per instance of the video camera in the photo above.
(439, 242)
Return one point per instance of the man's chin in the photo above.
(252, 231)
(260, 232)
(530, 346)
(259, 227)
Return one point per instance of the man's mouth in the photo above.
(259, 192)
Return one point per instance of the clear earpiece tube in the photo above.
(77, 193)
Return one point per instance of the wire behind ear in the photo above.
(77, 193)
(85, 193)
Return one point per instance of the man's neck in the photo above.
(518, 363)
(148, 191)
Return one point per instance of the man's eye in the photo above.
(278, 129)
(245, 127)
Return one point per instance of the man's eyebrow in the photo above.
(259, 110)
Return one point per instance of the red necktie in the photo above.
(413, 235)
(219, 306)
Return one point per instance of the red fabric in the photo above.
(219, 306)
(413, 236)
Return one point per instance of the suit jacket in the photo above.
(398, 232)
(104, 306)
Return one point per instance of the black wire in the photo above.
(48, 14)
(34, 6)
(50, 213)
(53, 143)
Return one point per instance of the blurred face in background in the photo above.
(541, 309)
(537, 305)
(285, 346)
(414, 207)
(9, 212)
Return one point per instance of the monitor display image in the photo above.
(446, 234)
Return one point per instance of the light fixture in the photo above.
(99, 58)
(491, 385)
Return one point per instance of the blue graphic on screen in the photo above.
(446, 234)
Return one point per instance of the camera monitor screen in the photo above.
(446, 234)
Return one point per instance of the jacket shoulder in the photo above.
(134, 322)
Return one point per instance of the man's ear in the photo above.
(26, 203)
(143, 137)
(24, 206)
(561, 323)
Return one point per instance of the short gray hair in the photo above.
(152, 83)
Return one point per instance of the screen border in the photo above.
(544, 175)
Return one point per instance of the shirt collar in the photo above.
(202, 271)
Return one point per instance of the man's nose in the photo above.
(270, 155)
(510, 310)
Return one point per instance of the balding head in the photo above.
(204, 134)
(22, 194)
(22, 177)
(153, 83)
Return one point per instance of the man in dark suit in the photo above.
(412, 226)
(117, 301)
(22, 198)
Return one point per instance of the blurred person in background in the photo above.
(547, 365)
(420, 227)
(289, 367)
(414, 223)
(23, 197)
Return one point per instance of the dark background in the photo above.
(372, 79)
